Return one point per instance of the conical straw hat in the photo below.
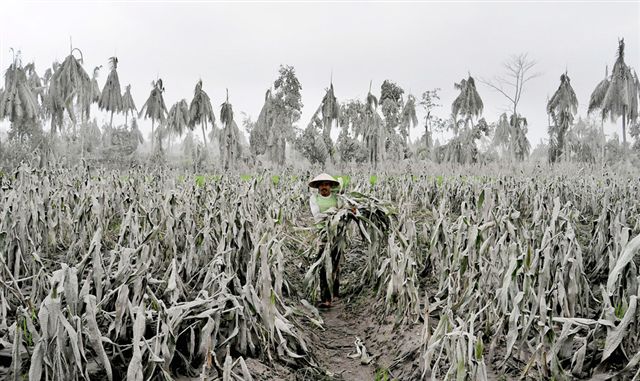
(322, 178)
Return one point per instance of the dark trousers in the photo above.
(325, 292)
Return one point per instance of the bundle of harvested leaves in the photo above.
(373, 218)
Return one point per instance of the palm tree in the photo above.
(69, 84)
(259, 134)
(135, 131)
(468, 103)
(178, 119)
(34, 82)
(562, 106)
(374, 134)
(617, 97)
(520, 145)
(595, 103)
(95, 88)
(93, 94)
(154, 107)
(17, 101)
(502, 135)
(408, 118)
(230, 139)
(330, 110)
(352, 117)
(201, 110)
(111, 97)
(287, 107)
(127, 103)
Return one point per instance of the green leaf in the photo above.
(479, 349)
(480, 201)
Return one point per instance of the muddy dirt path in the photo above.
(337, 342)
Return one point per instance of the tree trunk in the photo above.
(204, 137)
(512, 123)
(283, 149)
(126, 114)
(624, 129)
(604, 141)
(426, 131)
(111, 121)
(82, 133)
(561, 133)
(153, 135)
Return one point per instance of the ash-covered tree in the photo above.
(259, 133)
(35, 84)
(502, 134)
(128, 105)
(618, 96)
(352, 118)
(583, 142)
(462, 148)
(391, 102)
(201, 110)
(519, 142)
(374, 135)
(178, 119)
(120, 143)
(310, 143)
(518, 72)
(408, 118)
(634, 131)
(18, 104)
(352, 121)
(111, 96)
(154, 108)
(68, 87)
(350, 149)
(329, 110)
(92, 136)
(467, 105)
(93, 94)
(95, 87)
(562, 106)
(230, 145)
(429, 103)
(287, 107)
(595, 103)
(135, 131)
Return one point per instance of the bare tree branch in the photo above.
(511, 85)
(496, 87)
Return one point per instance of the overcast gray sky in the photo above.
(420, 46)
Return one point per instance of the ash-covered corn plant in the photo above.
(542, 274)
(156, 275)
(139, 276)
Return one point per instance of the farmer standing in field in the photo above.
(321, 202)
